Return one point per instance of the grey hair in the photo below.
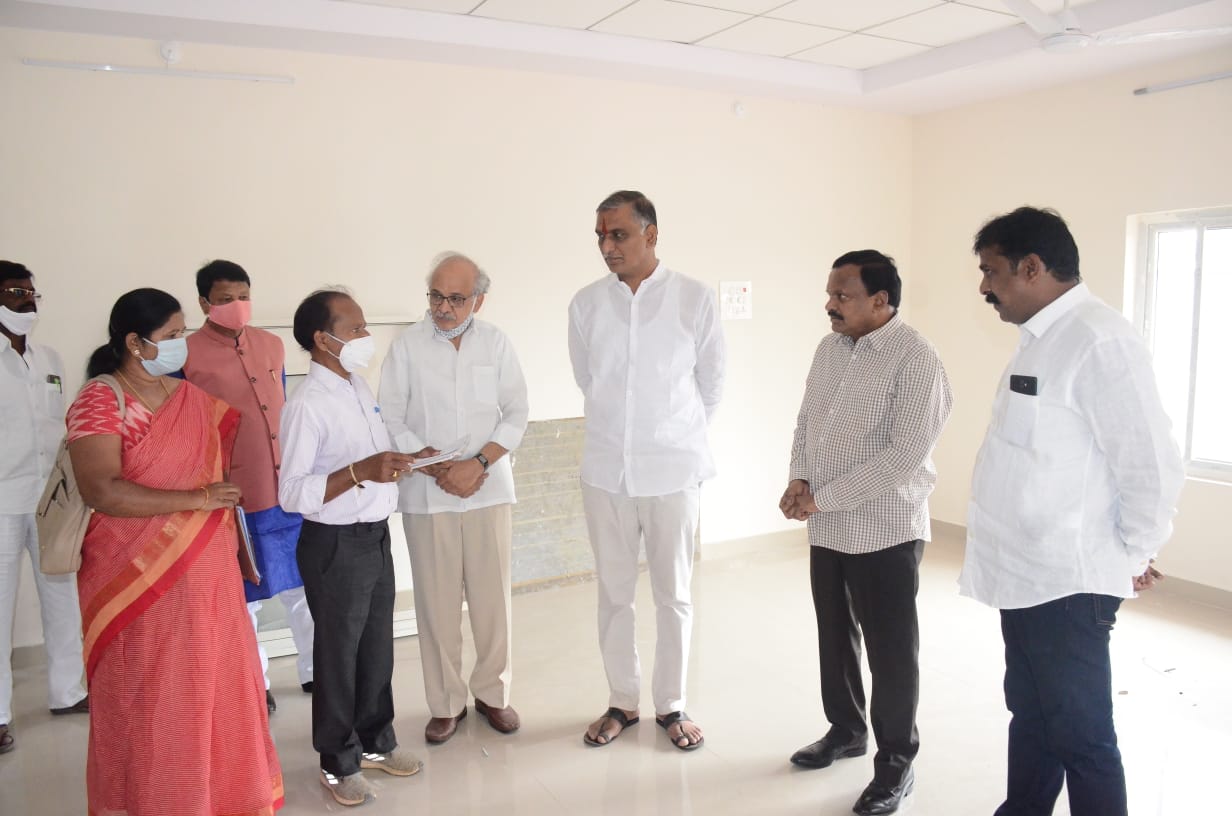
(643, 208)
(482, 281)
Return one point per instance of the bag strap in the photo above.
(114, 384)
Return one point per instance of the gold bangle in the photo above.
(206, 490)
(351, 470)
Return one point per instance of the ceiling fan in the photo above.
(1063, 33)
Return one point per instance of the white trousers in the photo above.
(452, 555)
(299, 618)
(618, 526)
(61, 618)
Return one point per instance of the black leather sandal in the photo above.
(617, 716)
(676, 718)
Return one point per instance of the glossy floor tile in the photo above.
(753, 688)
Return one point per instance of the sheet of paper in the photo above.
(449, 453)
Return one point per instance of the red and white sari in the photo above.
(178, 723)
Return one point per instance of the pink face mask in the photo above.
(234, 315)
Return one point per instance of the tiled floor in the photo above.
(753, 689)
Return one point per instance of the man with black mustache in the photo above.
(1072, 496)
(874, 405)
(32, 404)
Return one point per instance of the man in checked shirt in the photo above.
(875, 402)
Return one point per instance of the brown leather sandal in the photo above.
(6, 740)
(620, 718)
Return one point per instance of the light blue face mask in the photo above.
(172, 354)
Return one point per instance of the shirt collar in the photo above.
(221, 339)
(656, 277)
(1043, 320)
(879, 335)
(321, 374)
(6, 346)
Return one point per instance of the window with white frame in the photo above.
(1185, 281)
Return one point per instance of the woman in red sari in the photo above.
(178, 724)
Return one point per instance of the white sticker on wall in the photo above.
(736, 300)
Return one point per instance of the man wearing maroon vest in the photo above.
(244, 367)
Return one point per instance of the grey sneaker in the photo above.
(347, 790)
(399, 762)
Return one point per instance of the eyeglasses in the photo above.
(456, 301)
(22, 293)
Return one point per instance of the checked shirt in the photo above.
(873, 409)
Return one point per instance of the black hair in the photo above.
(315, 314)
(219, 270)
(143, 311)
(1031, 231)
(11, 270)
(642, 207)
(877, 271)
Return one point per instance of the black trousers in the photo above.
(348, 577)
(874, 593)
(1058, 686)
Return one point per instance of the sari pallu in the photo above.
(178, 723)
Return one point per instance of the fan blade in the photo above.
(1040, 22)
(1131, 37)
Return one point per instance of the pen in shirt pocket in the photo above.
(54, 379)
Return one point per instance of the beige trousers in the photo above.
(456, 555)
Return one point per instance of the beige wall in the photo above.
(1099, 155)
(364, 169)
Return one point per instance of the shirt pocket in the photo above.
(486, 385)
(1021, 417)
(54, 395)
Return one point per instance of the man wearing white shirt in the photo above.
(32, 406)
(1073, 494)
(648, 354)
(453, 377)
(339, 472)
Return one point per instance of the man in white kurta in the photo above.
(32, 404)
(648, 354)
(448, 378)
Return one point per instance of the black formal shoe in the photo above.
(269, 702)
(82, 706)
(827, 749)
(878, 798)
(307, 687)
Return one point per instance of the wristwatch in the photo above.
(483, 460)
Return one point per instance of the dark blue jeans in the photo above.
(1058, 686)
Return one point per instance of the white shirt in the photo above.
(327, 424)
(872, 412)
(1074, 489)
(31, 422)
(651, 368)
(433, 394)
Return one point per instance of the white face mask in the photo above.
(355, 354)
(18, 323)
